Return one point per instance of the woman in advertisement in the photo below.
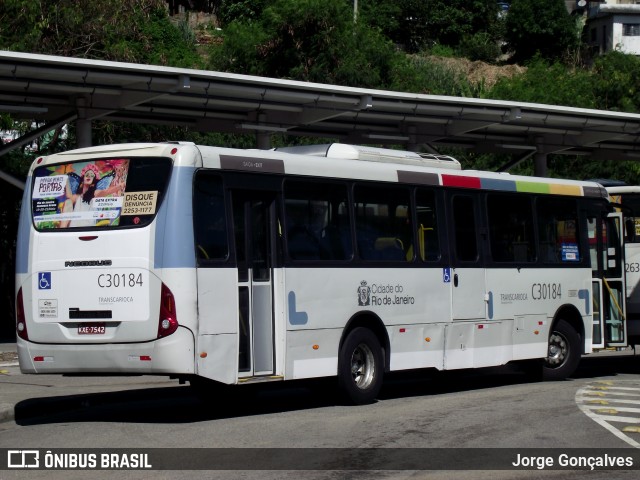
(81, 200)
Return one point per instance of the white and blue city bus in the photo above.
(242, 266)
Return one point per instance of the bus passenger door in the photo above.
(607, 264)
(253, 218)
(468, 288)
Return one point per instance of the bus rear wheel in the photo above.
(360, 367)
(564, 352)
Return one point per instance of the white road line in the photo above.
(596, 418)
(614, 418)
(604, 393)
(610, 387)
(618, 409)
(607, 400)
(594, 397)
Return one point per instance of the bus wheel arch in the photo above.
(565, 345)
(362, 359)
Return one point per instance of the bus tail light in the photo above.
(168, 322)
(21, 321)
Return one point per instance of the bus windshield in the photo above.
(105, 193)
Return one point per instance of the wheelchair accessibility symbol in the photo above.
(446, 275)
(44, 281)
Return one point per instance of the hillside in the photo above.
(478, 72)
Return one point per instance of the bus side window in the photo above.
(427, 226)
(558, 230)
(511, 228)
(209, 219)
(383, 224)
(317, 222)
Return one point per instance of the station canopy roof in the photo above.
(56, 90)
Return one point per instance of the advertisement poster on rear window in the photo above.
(82, 194)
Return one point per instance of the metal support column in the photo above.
(540, 165)
(263, 140)
(83, 133)
(412, 144)
(540, 160)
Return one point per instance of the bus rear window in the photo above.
(99, 194)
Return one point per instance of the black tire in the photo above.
(564, 352)
(360, 367)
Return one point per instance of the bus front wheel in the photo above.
(564, 352)
(360, 367)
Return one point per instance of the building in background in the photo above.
(610, 25)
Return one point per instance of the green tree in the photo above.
(419, 24)
(123, 30)
(612, 83)
(318, 41)
(244, 10)
(311, 40)
(581, 168)
(479, 46)
(615, 82)
(541, 27)
(548, 83)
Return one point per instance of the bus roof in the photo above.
(340, 161)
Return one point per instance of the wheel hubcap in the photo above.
(362, 366)
(558, 350)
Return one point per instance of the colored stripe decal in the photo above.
(460, 181)
(566, 189)
(498, 184)
(532, 187)
(494, 184)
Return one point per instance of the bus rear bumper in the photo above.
(170, 355)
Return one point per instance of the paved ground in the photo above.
(34, 395)
(30, 395)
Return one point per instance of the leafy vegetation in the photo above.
(540, 27)
(310, 40)
(549, 83)
(421, 24)
(122, 30)
(611, 83)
